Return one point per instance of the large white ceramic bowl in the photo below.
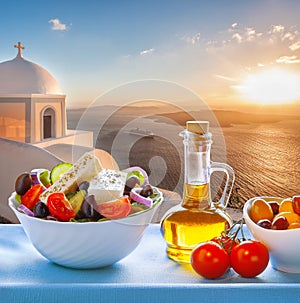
(283, 245)
(89, 244)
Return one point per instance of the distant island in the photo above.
(226, 118)
(167, 114)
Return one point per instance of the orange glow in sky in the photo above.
(272, 86)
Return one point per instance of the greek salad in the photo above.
(84, 192)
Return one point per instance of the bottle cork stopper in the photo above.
(198, 127)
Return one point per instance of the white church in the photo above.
(32, 106)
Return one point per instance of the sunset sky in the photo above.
(232, 54)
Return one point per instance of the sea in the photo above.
(264, 156)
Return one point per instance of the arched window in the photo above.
(49, 122)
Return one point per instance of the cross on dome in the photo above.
(19, 47)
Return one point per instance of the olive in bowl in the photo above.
(283, 244)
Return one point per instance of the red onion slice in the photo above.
(35, 177)
(22, 208)
(141, 171)
(135, 196)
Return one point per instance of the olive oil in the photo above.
(197, 218)
(196, 196)
(184, 228)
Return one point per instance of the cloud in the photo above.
(295, 46)
(248, 46)
(281, 33)
(250, 34)
(240, 35)
(237, 37)
(192, 39)
(288, 59)
(285, 38)
(277, 29)
(147, 51)
(57, 25)
(233, 27)
(289, 36)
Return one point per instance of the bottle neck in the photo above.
(196, 193)
(196, 196)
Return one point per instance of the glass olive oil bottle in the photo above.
(197, 218)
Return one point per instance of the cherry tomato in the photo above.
(296, 204)
(60, 207)
(32, 196)
(117, 209)
(226, 242)
(249, 258)
(210, 260)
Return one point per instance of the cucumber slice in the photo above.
(58, 170)
(70, 194)
(45, 177)
(77, 200)
(18, 198)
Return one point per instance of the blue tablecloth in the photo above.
(147, 275)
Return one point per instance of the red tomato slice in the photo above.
(117, 209)
(32, 196)
(60, 207)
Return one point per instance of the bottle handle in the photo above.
(230, 177)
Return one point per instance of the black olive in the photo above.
(41, 210)
(84, 186)
(146, 191)
(89, 208)
(131, 182)
(23, 183)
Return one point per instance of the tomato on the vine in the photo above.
(227, 242)
(210, 260)
(249, 258)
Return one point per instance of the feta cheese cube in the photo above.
(107, 185)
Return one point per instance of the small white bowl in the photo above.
(89, 244)
(283, 245)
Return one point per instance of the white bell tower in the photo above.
(32, 107)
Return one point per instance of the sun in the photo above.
(273, 86)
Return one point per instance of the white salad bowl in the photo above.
(283, 245)
(88, 244)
